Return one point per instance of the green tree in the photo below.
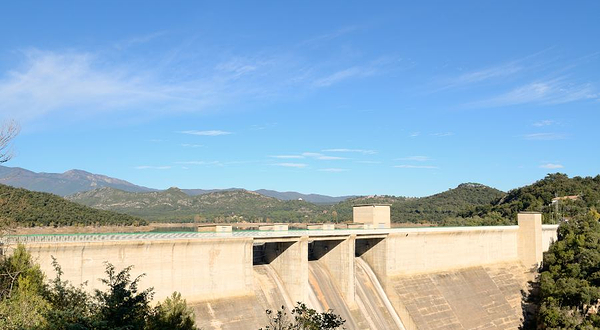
(173, 313)
(303, 318)
(569, 281)
(22, 304)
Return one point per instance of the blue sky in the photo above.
(335, 97)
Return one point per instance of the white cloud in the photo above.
(414, 134)
(296, 165)
(555, 91)
(333, 170)
(189, 145)
(147, 167)
(287, 156)
(199, 162)
(416, 158)
(362, 151)
(206, 133)
(551, 166)
(319, 156)
(368, 162)
(543, 123)
(442, 134)
(416, 166)
(544, 136)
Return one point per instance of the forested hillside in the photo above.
(538, 197)
(176, 206)
(431, 209)
(240, 205)
(28, 208)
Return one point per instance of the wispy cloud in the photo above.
(320, 156)
(332, 170)
(416, 166)
(416, 158)
(361, 151)
(199, 162)
(551, 166)
(368, 162)
(287, 156)
(477, 76)
(544, 136)
(206, 133)
(543, 123)
(189, 145)
(148, 167)
(414, 134)
(554, 91)
(296, 165)
(442, 134)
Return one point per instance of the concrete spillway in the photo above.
(371, 310)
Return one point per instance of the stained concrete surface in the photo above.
(469, 298)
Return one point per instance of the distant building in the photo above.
(565, 198)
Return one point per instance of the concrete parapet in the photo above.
(215, 229)
(277, 227)
(530, 244)
(322, 226)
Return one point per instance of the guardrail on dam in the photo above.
(211, 269)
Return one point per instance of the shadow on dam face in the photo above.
(318, 249)
(265, 253)
(364, 245)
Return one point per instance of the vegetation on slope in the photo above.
(432, 209)
(174, 205)
(28, 208)
(569, 281)
(538, 197)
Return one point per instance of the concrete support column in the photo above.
(290, 261)
(374, 252)
(338, 256)
(530, 238)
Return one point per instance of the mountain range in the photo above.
(75, 181)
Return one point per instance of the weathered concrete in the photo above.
(469, 298)
(377, 215)
(530, 244)
(290, 261)
(199, 269)
(338, 257)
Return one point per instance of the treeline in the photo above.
(28, 208)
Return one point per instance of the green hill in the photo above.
(174, 205)
(28, 208)
(431, 209)
(538, 197)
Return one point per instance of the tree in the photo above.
(304, 318)
(173, 313)
(8, 131)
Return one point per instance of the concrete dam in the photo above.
(374, 276)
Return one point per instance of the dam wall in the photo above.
(199, 269)
(405, 278)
